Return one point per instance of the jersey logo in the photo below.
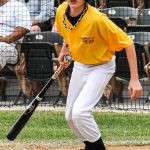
(88, 39)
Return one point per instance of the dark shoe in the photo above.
(98, 145)
(88, 146)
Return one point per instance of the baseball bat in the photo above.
(25, 116)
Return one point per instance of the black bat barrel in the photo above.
(20, 123)
(25, 116)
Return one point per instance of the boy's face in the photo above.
(76, 3)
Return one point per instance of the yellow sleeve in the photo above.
(116, 38)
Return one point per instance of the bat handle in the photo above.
(67, 59)
(39, 97)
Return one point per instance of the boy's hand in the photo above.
(135, 89)
(64, 51)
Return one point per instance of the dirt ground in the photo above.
(109, 148)
(41, 147)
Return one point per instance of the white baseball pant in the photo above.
(85, 90)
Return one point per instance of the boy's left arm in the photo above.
(135, 88)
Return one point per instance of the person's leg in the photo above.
(82, 119)
(8, 54)
(75, 86)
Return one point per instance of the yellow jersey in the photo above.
(95, 38)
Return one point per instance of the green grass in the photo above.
(51, 126)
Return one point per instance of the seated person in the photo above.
(42, 14)
(14, 24)
(41, 11)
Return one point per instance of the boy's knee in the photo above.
(77, 115)
(71, 118)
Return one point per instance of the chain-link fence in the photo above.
(27, 64)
